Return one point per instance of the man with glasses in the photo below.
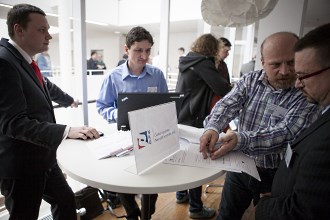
(271, 114)
(302, 76)
(301, 187)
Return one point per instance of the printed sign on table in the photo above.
(154, 133)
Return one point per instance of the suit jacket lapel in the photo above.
(32, 74)
(319, 122)
(47, 91)
(28, 68)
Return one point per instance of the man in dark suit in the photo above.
(29, 135)
(301, 186)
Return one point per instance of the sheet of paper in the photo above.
(233, 161)
(110, 145)
(192, 134)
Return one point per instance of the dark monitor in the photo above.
(133, 101)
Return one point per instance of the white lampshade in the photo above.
(235, 13)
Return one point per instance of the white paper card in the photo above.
(110, 144)
(155, 134)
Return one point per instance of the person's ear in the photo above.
(126, 49)
(18, 29)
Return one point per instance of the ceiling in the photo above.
(317, 13)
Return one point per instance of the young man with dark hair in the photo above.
(135, 75)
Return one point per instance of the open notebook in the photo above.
(133, 101)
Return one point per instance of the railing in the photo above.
(172, 78)
(79, 103)
(57, 72)
(96, 72)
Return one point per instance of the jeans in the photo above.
(23, 196)
(195, 200)
(238, 191)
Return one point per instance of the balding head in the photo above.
(279, 38)
(277, 58)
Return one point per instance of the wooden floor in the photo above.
(167, 209)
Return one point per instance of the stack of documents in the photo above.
(115, 144)
(189, 155)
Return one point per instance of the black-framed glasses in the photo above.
(301, 78)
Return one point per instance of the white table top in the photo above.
(76, 160)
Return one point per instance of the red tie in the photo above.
(37, 71)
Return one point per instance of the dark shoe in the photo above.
(204, 214)
(183, 199)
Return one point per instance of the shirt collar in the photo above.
(127, 73)
(22, 52)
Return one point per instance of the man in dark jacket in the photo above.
(301, 186)
(29, 135)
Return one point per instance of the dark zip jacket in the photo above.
(199, 80)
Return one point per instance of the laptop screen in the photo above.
(133, 101)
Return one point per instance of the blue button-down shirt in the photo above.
(120, 79)
(262, 133)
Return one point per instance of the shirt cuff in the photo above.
(66, 132)
(240, 139)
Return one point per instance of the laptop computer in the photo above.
(133, 101)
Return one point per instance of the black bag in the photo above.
(89, 199)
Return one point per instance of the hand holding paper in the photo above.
(190, 155)
(229, 142)
(207, 142)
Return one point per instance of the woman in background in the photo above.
(200, 81)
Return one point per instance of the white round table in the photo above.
(76, 160)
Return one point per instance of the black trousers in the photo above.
(148, 205)
(23, 196)
(238, 191)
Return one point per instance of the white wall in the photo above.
(3, 29)
(102, 11)
(148, 11)
(286, 16)
(109, 44)
(177, 40)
